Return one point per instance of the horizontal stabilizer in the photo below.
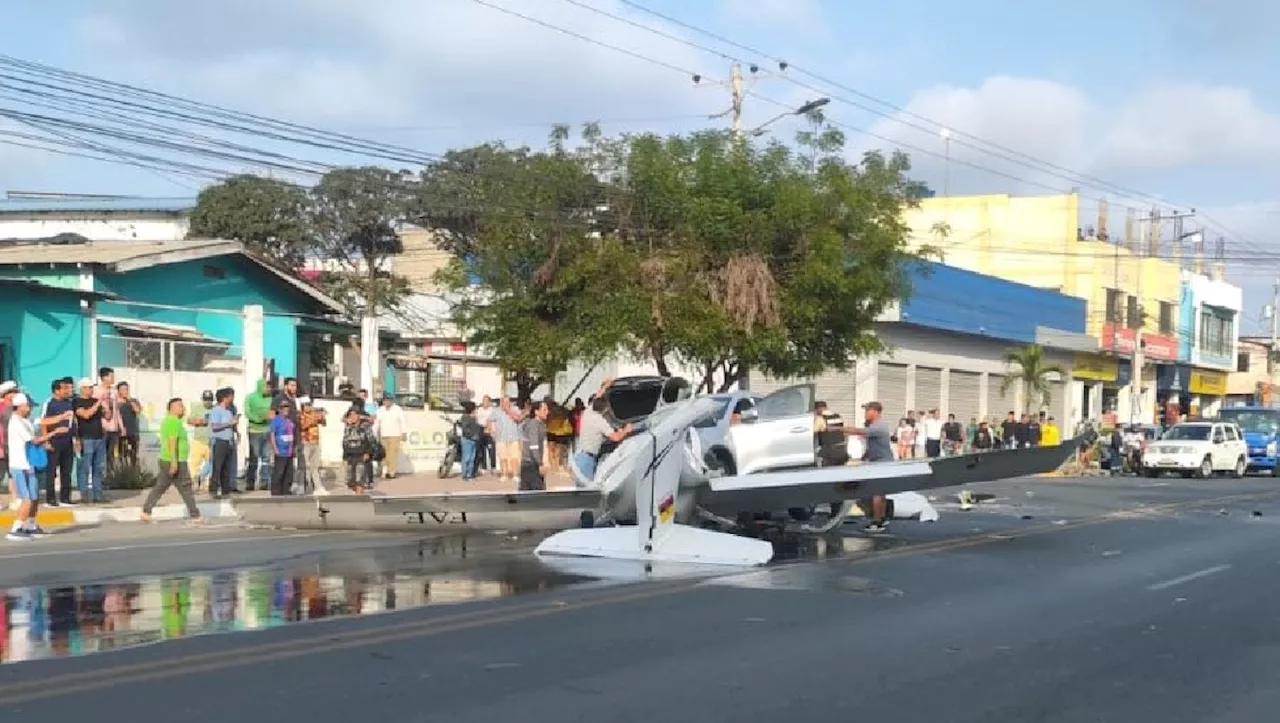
(677, 544)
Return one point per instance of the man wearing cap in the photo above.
(8, 390)
(19, 433)
(877, 447)
(93, 442)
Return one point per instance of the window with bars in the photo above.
(1217, 331)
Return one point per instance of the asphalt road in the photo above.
(1080, 601)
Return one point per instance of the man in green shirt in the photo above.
(257, 413)
(175, 451)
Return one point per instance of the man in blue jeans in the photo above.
(93, 443)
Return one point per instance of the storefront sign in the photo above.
(1093, 368)
(1156, 347)
(1208, 382)
(1173, 378)
(1124, 374)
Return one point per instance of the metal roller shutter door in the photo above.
(964, 395)
(999, 405)
(891, 389)
(928, 389)
(1057, 392)
(839, 391)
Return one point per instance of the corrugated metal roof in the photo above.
(110, 253)
(96, 205)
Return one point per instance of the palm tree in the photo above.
(1030, 368)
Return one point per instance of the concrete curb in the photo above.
(86, 515)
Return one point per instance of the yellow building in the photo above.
(1036, 240)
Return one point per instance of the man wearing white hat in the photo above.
(7, 392)
(21, 440)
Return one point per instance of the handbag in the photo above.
(37, 456)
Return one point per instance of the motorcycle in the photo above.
(452, 451)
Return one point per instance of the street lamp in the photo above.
(805, 109)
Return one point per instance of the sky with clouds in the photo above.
(1167, 99)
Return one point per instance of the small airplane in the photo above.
(656, 498)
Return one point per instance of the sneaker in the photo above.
(19, 536)
(37, 531)
(875, 527)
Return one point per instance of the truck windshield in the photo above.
(1258, 421)
(1188, 432)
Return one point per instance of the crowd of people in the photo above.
(61, 451)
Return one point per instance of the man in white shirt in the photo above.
(389, 426)
(19, 433)
(486, 453)
(932, 435)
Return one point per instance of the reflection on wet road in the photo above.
(54, 621)
(69, 620)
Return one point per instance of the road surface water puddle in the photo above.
(72, 620)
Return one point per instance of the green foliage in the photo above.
(349, 219)
(127, 477)
(269, 217)
(702, 248)
(1030, 368)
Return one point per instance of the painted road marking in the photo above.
(1189, 577)
(162, 545)
(395, 629)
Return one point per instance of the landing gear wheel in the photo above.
(1206, 469)
(587, 519)
(1241, 467)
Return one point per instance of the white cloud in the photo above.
(1162, 127)
(396, 62)
(776, 13)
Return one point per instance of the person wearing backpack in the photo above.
(26, 455)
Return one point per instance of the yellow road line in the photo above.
(395, 630)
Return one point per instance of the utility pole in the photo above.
(739, 86)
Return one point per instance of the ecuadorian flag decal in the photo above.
(666, 510)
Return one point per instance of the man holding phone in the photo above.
(222, 430)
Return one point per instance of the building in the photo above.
(102, 219)
(1252, 381)
(1208, 349)
(182, 315)
(946, 349)
(1131, 290)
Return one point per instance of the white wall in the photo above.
(114, 228)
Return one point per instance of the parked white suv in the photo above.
(1199, 448)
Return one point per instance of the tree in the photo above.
(355, 216)
(519, 224)
(1030, 369)
(759, 257)
(268, 216)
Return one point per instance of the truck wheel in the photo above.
(1241, 467)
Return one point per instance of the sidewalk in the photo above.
(126, 505)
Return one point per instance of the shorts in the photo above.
(509, 452)
(26, 485)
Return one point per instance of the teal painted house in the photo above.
(43, 332)
(175, 307)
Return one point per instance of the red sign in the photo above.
(1155, 346)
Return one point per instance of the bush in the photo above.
(129, 478)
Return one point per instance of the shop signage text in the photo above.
(1156, 347)
(1208, 382)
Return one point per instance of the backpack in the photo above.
(353, 442)
(37, 456)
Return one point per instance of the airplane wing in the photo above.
(487, 502)
(808, 487)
